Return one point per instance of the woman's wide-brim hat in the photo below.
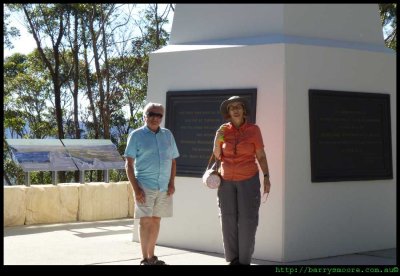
(224, 106)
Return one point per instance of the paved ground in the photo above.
(109, 243)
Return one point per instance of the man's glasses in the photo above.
(154, 114)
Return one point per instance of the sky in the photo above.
(25, 43)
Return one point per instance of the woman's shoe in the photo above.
(235, 262)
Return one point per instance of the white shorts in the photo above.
(158, 204)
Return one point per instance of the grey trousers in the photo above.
(239, 203)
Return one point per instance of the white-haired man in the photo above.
(151, 168)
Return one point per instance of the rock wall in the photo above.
(67, 202)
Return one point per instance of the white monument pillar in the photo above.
(283, 50)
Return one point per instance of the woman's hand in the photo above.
(267, 185)
(219, 138)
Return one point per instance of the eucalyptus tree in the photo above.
(94, 123)
(47, 21)
(72, 88)
(73, 44)
(98, 16)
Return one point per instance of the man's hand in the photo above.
(171, 188)
(140, 196)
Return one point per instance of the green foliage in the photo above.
(41, 177)
(389, 22)
(14, 122)
(117, 175)
(14, 65)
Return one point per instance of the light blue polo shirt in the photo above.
(153, 154)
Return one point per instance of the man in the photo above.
(150, 166)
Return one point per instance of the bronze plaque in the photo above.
(350, 136)
(194, 117)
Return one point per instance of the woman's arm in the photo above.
(218, 140)
(262, 160)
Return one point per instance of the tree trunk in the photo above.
(88, 83)
(97, 67)
(76, 85)
(106, 110)
(76, 78)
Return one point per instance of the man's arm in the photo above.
(130, 172)
(171, 184)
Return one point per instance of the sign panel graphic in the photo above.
(94, 154)
(40, 155)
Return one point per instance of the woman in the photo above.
(237, 144)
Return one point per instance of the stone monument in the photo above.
(286, 51)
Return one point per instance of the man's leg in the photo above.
(145, 227)
(154, 229)
(162, 208)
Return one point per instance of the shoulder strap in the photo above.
(210, 160)
(216, 162)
